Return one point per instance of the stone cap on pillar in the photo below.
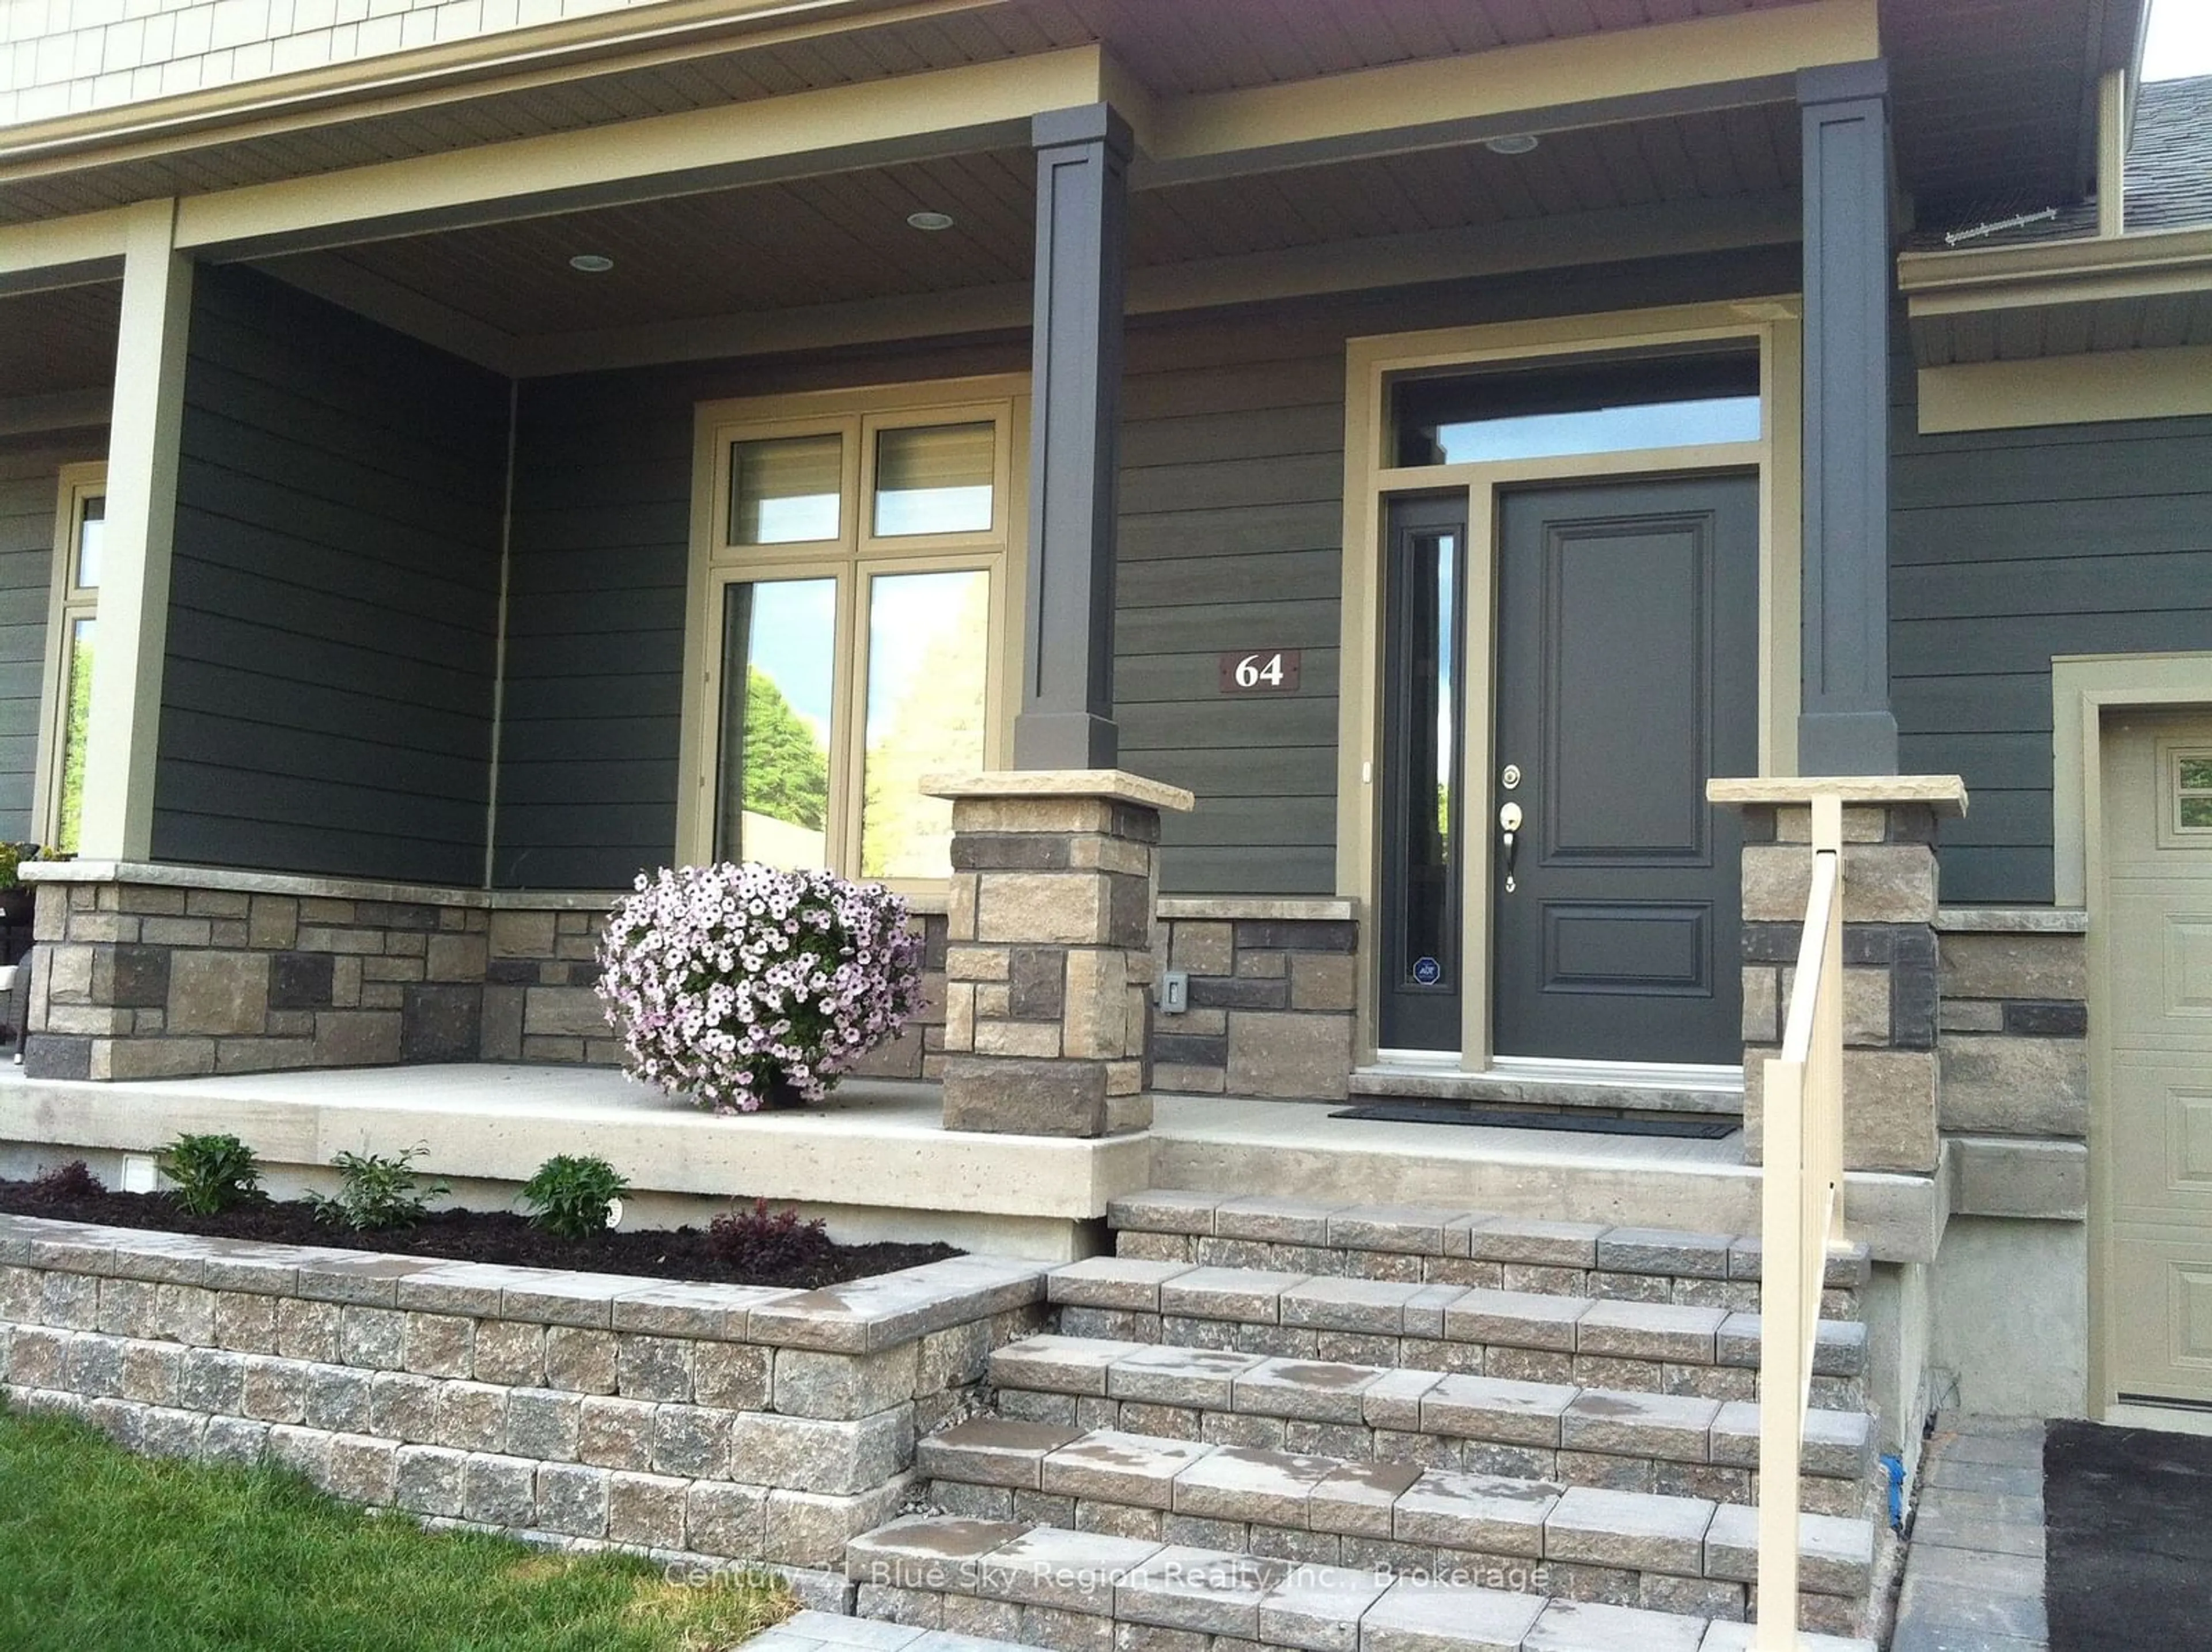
(1945, 794)
(1109, 784)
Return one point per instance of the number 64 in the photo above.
(1250, 673)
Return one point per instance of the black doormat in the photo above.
(2128, 1520)
(1581, 1124)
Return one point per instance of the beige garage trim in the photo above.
(2082, 687)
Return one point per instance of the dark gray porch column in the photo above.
(1845, 727)
(1066, 719)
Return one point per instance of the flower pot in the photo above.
(15, 905)
(781, 1094)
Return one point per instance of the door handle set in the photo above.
(1509, 824)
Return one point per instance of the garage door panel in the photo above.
(2156, 1122)
(2163, 1141)
(2167, 973)
(2166, 1352)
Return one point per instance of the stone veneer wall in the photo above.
(539, 1005)
(247, 974)
(2014, 1025)
(712, 1424)
(1890, 979)
(1273, 989)
(1050, 962)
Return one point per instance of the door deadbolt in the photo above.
(1511, 777)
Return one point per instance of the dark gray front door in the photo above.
(1627, 663)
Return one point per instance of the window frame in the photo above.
(66, 603)
(2175, 832)
(855, 559)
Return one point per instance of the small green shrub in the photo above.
(376, 1190)
(571, 1195)
(213, 1173)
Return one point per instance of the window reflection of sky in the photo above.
(906, 511)
(1602, 430)
(923, 608)
(793, 632)
(799, 520)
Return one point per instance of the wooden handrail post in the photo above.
(1782, 1352)
(1828, 1037)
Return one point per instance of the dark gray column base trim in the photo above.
(1847, 743)
(1066, 739)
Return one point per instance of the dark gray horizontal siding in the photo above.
(328, 696)
(1231, 527)
(594, 706)
(29, 484)
(2006, 548)
(1205, 448)
(1231, 539)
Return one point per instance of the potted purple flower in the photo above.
(744, 988)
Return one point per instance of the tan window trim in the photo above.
(854, 557)
(1775, 325)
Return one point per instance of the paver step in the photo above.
(826, 1631)
(995, 1578)
(1424, 1244)
(1439, 1419)
(1293, 1505)
(1534, 1335)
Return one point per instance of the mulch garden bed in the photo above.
(767, 1251)
(2128, 1525)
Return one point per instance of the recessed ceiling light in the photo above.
(930, 221)
(1511, 143)
(591, 263)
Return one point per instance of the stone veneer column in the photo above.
(1890, 961)
(1048, 949)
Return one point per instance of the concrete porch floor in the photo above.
(875, 1161)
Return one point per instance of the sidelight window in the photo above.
(73, 625)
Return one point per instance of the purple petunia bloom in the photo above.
(730, 982)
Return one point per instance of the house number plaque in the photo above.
(1260, 671)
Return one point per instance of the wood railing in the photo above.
(1803, 1215)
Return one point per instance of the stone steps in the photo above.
(1090, 1592)
(1590, 1091)
(1310, 1507)
(1549, 1431)
(1534, 1336)
(1434, 1245)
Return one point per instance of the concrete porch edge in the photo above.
(876, 1144)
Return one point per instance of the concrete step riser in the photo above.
(1659, 1347)
(1422, 1244)
(1297, 1505)
(1834, 1388)
(1626, 1442)
(1737, 1295)
(1722, 1483)
(1140, 1597)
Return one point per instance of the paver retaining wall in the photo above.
(708, 1423)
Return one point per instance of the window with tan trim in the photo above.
(72, 625)
(851, 596)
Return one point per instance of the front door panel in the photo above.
(1627, 660)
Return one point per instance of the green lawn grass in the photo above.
(103, 1552)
